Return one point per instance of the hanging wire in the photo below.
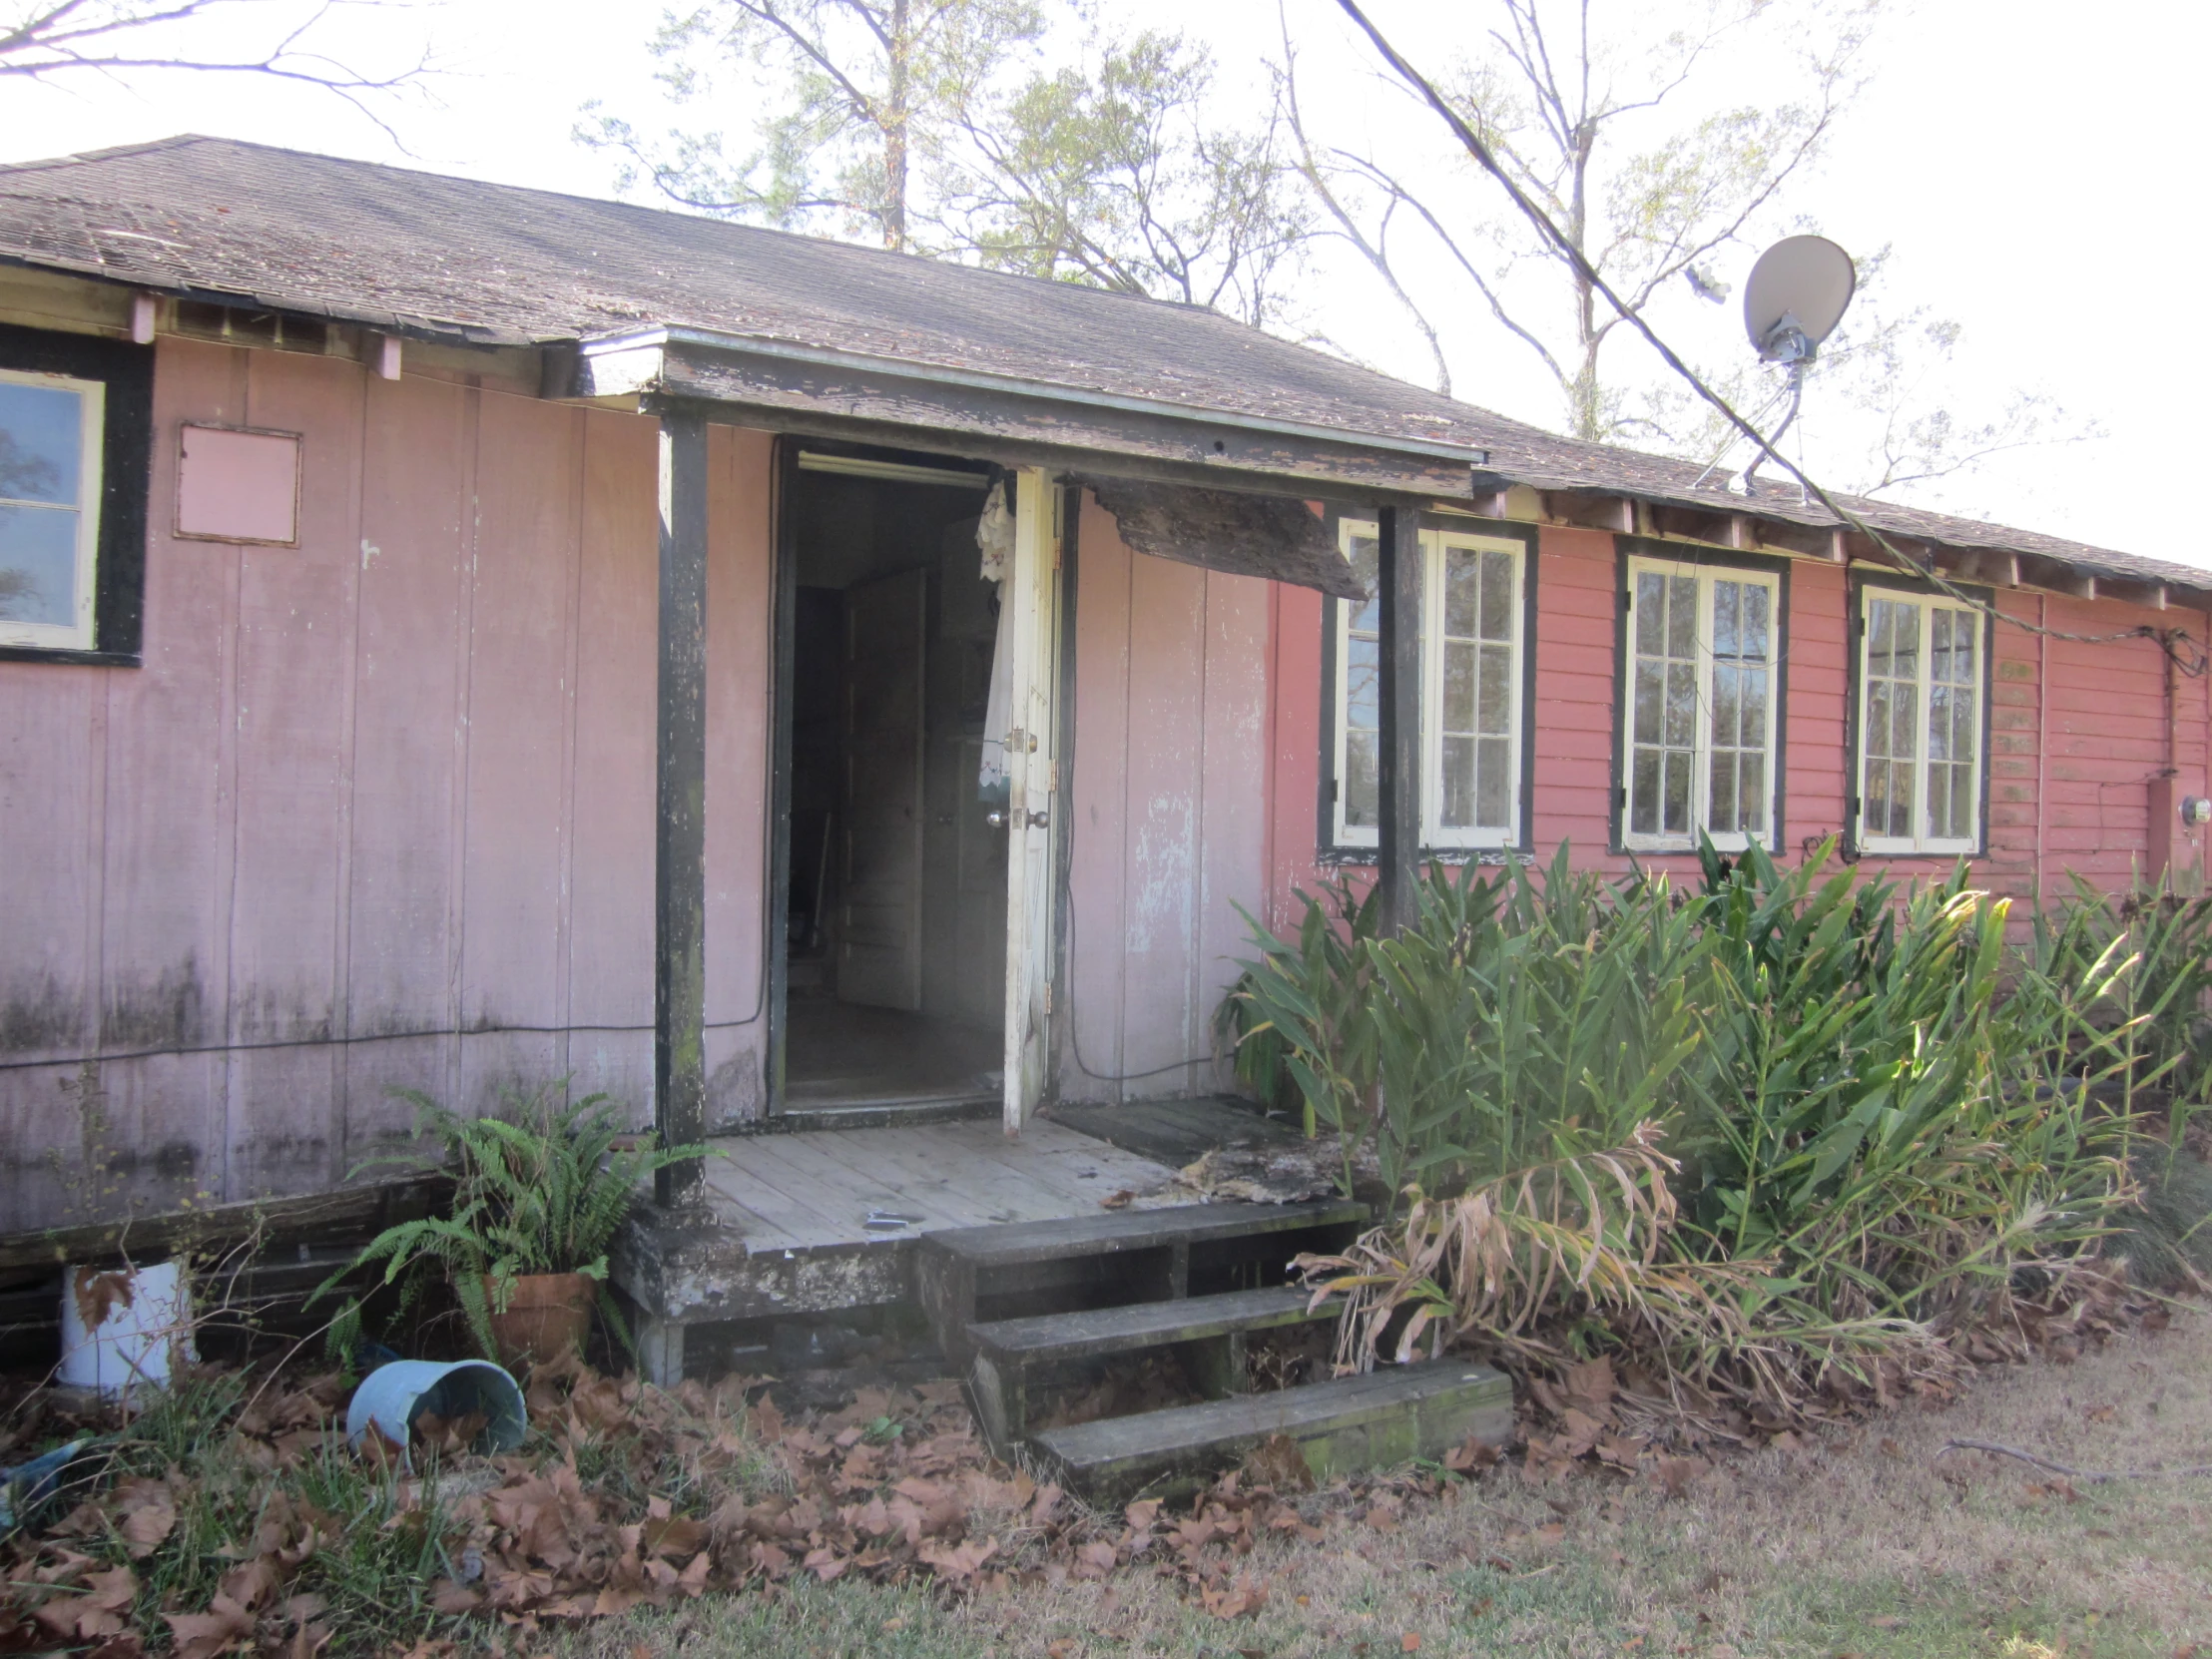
(2190, 660)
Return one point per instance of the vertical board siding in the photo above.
(741, 640)
(1168, 811)
(292, 680)
(513, 858)
(410, 675)
(369, 803)
(610, 787)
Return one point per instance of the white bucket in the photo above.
(125, 1328)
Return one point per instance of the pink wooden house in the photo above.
(454, 636)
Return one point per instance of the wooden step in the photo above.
(1152, 1247)
(1208, 1329)
(1347, 1423)
(1095, 1331)
(1123, 1230)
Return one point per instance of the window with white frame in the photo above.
(1699, 725)
(1920, 717)
(1472, 672)
(51, 431)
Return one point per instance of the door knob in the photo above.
(995, 819)
(1037, 820)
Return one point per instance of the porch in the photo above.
(821, 1220)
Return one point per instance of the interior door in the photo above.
(1032, 779)
(879, 945)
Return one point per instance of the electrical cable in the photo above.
(1075, 1034)
(1579, 262)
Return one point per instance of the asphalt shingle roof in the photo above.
(492, 264)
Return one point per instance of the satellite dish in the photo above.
(1795, 297)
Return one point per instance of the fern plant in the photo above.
(539, 1189)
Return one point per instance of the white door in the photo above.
(1033, 807)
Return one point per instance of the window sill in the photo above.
(63, 654)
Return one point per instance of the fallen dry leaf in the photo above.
(99, 1611)
(202, 1635)
(1242, 1602)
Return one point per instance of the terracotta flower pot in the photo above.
(547, 1318)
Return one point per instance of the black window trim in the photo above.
(1330, 852)
(126, 455)
(1702, 555)
(1862, 578)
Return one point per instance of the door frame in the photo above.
(783, 685)
(783, 679)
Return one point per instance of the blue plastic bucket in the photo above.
(392, 1396)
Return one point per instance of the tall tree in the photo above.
(985, 131)
(1630, 129)
(286, 40)
(1118, 171)
(852, 94)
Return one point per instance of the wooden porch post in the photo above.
(1397, 735)
(680, 845)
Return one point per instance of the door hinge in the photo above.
(1624, 797)
(1053, 788)
(1048, 997)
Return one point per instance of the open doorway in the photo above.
(895, 918)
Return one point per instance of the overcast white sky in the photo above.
(2037, 168)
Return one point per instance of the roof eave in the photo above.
(837, 393)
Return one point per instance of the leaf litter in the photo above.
(627, 1496)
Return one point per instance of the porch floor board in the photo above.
(813, 1191)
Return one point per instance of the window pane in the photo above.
(1458, 809)
(1460, 670)
(1725, 601)
(1880, 631)
(1725, 705)
(1494, 784)
(1963, 802)
(1362, 685)
(1964, 632)
(1643, 793)
(1752, 684)
(1462, 600)
(1751, 793)
(1677, 802)
(1681, 616)
(1497, 596)
(41, 430)
(1498, 690)
(1651, 679)
(1963, 724)
(1361, 794)
(1938, 719)
(1906, 647)
(1904, 702)
(1722, 817)
(38, 564)
(1681, 703)
(1651, 613)
(1757, 601)
(1900, 798)
(1878, 718)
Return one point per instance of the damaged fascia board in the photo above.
(686, 363)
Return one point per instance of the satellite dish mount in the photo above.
(1796, 295)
